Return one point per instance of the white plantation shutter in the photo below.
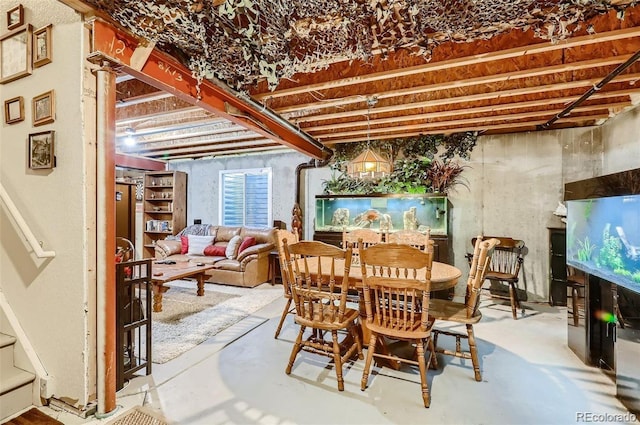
(245, 197)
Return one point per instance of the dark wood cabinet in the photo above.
(557, 266)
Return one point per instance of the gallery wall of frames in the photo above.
(23, 50)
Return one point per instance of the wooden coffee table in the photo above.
(162, 273)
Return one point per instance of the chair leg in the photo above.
(474, 353)
(297, 346)
(284, 314)
(356, 334)
(433, 364)
(574, 306)
(426, 397)
(367, 365)
(514, 300)
(337, 359)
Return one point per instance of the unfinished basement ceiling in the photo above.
(348, 71)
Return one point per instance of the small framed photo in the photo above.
(42, 46)
(14, 110)
(15, 17)
(41, 155)
(15, 54)
(43, 109)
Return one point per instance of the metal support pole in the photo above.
(106, 205)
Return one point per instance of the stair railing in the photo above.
(24, 227)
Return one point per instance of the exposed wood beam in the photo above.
(470, 98)
(456, 84)
(139, 163)
(468, 111)
(164, 114)
(143, 98)
(233, 128)
(481, 127)
(206, 142)
(465, 61)
(470, 121)
(272, 147)
(208, 147)
(165, 73)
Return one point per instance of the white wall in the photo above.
(52, 298)
(203, 183)
(621, 141)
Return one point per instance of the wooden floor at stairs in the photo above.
(33, 417)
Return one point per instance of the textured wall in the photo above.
(54, 204)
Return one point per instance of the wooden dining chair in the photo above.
(291, 237)
(360, 238)
(466, 313)
(505, 267)
(320, 300)
(397, 304)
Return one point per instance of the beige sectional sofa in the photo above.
(248, 268)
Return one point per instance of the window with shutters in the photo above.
(245, 197)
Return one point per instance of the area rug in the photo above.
(138, 416)
(183, 323)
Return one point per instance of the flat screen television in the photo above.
(603, 227)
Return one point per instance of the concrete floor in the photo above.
(530, 376)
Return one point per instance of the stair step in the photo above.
(14, 378)
(6, 340)
(15, 401)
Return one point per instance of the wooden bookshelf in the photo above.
(165, 207)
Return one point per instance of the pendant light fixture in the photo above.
(369, 164)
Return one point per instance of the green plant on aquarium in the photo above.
(622, 272)
(636, 277)
(610, 254)
(585, 249)
(587, 209)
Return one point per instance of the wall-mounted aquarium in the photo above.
(603, 232)
(385, 213)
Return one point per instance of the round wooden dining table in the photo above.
(443, 276)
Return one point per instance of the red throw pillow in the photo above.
(185, 244)
(215, 251)
(246, 243)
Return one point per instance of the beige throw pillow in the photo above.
(233, 246)
(197, 244)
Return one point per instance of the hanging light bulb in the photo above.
(129, 140)
(369, 164)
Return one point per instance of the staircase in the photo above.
(16, 385)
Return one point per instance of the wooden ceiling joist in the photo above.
(268, 147)
(207, 142)
(456, 84)
(628, 78)
(547, 102)
(472, 60)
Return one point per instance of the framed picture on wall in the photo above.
(41, 154)
(15, 54)
(42, 46)
(43, 108)
(15, 17)
(14, 110)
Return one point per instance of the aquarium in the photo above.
(603, 238)
(385, 213)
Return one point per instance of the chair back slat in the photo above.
(396, 286)
(482, 258)
(291, 237)
(508, 256)
(413, 238)
(319, 296)
(360, 238)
